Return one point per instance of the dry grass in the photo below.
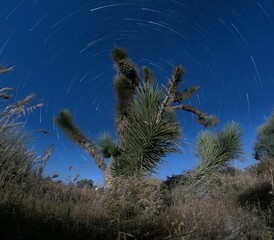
(40, 209)
(211, 211)
(220, 207)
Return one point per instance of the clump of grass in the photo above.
(211, 210)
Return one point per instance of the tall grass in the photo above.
(35, 208)
(31, 207)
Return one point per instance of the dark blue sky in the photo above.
(61, 51)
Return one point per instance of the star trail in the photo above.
(60, 51)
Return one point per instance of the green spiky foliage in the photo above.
(65, 122)
(125, 83)
(264, 149)
(207, 121)
(147, 140)
(107, 145)
(124, 66)
(145, 120)
(148, 76)
(216, 150)
(264, 146)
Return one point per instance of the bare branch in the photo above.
(90, 148)
(189, 108)
(171, 91)
(203, 119)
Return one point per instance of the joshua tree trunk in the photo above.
(90, 148)
(108, 175)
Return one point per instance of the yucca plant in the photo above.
(264, 145)
(146, 138)
(216, 150)
(264, 149)
(145, 121)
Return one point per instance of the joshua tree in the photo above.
(264, 148)
(216, 150)
(145, 121)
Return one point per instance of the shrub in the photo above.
(257, 196)
(130, 198)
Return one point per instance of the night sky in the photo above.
(61, 51)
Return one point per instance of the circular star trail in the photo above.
(61, 51)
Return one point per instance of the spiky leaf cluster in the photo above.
(107, 145)
(65, 122)
(186, 94)
(208, 120)
(148, 76)
(125, 83)
(215, 151)
(124, 66)
(264, 146)
(124, 93)
(177, 76)
(147, 140)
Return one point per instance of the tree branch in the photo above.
(108, 172)
(90, 148)
(171, 91)
(189, 108)
(65, 121)
(186, 94)
(204, 119)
